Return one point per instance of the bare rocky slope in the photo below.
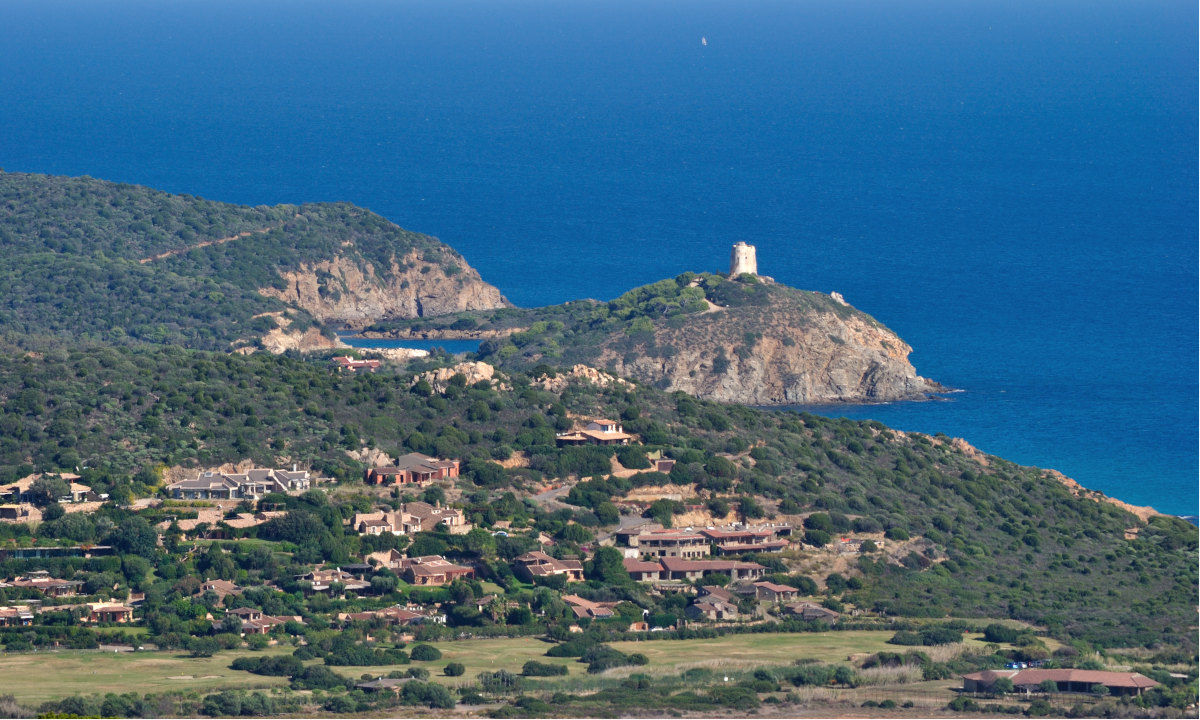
(344, 291)
(790, 351)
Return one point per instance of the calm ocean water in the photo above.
(1009, 186)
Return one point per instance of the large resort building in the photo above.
(670, 543)
(747, 540)
(673, 568)
(652, 541)
(250, 485)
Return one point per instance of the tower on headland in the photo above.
(742, 260)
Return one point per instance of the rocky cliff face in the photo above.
(801, 348)
(349, 291)
(284, 337)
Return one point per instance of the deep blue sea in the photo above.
(1011, 186)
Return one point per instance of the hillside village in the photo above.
(579, 536)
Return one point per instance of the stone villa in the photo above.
(413, 517)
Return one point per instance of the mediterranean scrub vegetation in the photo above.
(135, 265)
(988, 540)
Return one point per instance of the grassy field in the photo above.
(742, 651)
(666, 656)
(36, 677)
(43, 676)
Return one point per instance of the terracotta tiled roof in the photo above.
(680, 565)
(775, 588)
(633, 565)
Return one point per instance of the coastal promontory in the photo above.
(743, 339)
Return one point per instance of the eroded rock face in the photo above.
(779, 356)
(587, 374)
(284, 337)
(348, 291)
(439, 379)
(279, 341)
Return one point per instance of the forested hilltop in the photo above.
(743, 340)
(85, 258)
(991, 539)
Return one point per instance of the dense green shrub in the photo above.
(533, 668)
(425, 653)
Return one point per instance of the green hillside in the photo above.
(1000, 540)
(85, 258)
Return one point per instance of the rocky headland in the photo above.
(343, 291)
(784, 353)
(745, 340)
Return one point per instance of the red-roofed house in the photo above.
(774, 592)
(589, 609)
(346, 363)
(642, 571)
(413, 469)
(430, 570)
(711, 607)
(537, 564)
(108, 612)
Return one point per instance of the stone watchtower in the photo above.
(742, 260)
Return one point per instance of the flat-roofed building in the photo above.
(253, 484)
(672, 543)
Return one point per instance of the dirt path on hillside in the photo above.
(205, 243)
